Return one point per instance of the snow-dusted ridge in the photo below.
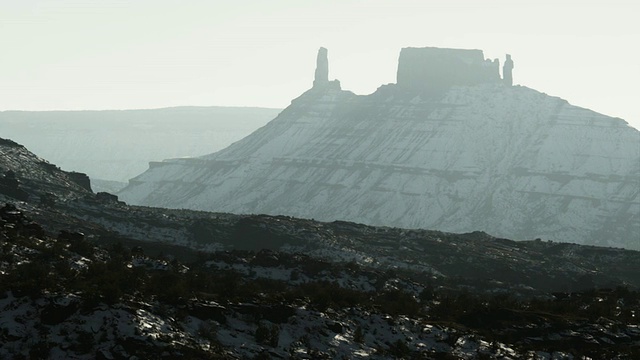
(508, 160)
(118, 303)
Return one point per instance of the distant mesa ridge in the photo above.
(451, 146)
(112, 146)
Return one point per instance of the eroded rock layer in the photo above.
(507, 160)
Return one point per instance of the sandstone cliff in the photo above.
(454, 153)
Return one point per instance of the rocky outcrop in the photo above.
(80, 179)
(473, 155)
(436, 69)
(321, 79)
(322, 68)
(27, 176)
(107, 198)
(507, 71)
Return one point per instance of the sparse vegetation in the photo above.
(114, 276)
(268, 288)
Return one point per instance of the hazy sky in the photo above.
(117, 54)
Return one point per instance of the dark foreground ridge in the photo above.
(79, 300)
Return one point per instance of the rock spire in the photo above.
(507, 69)
(322, 68)
(321, 80)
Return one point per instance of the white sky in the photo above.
(123, 54)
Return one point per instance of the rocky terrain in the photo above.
(65, 297)
(451, 146)
(86, 276)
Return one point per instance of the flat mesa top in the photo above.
(432, 68)
(443, 52)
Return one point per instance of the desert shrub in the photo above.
(398, 302)
(358, 335)
(399, 349)
(268, 335)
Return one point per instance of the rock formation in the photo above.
(81, 179)
(28, 177)
(322, 68)
(507, 71)
(321, 80)
(436, 69)
(448, 147)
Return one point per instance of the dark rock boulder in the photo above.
(206, 311)
(105, 197)
(81, 179)
(277, 314)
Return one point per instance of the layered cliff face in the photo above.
(471, 154)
